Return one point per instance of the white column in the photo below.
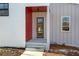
(48, 29)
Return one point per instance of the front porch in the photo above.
(37, 27)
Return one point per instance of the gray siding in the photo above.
(57, 36)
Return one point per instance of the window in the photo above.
(65, 23)
(4, 9)
(40, 27)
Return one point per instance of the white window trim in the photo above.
(69, 23)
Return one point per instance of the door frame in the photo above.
(34, 29)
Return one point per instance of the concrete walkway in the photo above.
(33, 52)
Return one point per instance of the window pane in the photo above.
(40, 20)
(65, 23)
(1, 6)
(65, 19)
(4, 12)
(4, 9)
(6, 6)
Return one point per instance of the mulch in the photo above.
(68, 52)
(65, 50)
(55, 50)
(11, 51)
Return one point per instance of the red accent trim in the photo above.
(39, 9)
(28, 24)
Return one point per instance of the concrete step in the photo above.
(37, 46)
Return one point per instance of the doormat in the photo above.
(33, 52)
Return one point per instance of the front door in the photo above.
(40, 27)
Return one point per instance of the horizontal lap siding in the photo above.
(57, 36)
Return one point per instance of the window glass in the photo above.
(65, 23)
(40, 27)
(4, 9)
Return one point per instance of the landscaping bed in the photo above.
(11, 51)
(65, 50)
(62, 52)
(55, 50)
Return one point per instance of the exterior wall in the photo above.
(12, 27)
(57, 36)
(34, 16)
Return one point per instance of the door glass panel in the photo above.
(40, 27)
